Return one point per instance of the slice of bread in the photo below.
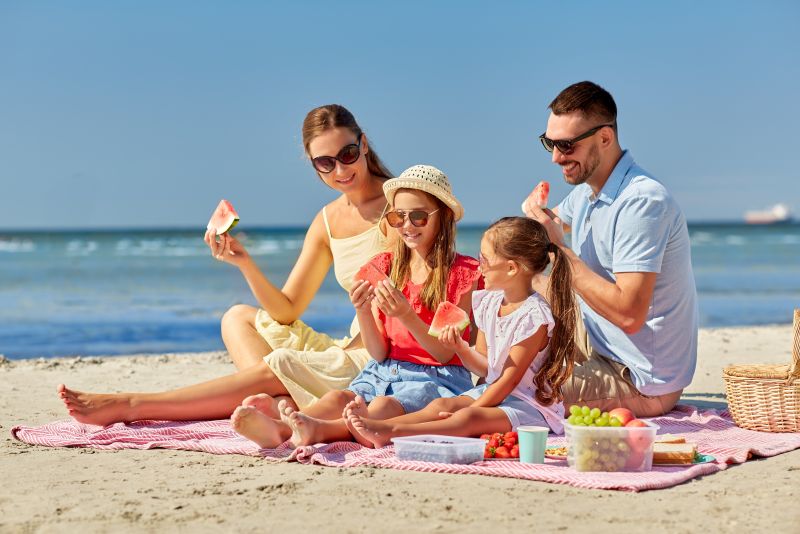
(670, 438)
(673, 453)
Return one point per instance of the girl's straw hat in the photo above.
(424, 178)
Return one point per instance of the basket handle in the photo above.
(794, 366)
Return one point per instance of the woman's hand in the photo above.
(391, 301)
(227, 249)
(361, 294)
(451, 339)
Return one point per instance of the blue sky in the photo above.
(121, 114)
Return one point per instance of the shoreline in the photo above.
(5, 360)
(62, 489)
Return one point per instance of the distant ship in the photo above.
(777, 214)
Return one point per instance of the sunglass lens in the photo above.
(349, 154)
(418, 218)
(546, 143)
(565, 147)
(324, 163)
(394, 219)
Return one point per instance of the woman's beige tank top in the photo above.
(351, 253)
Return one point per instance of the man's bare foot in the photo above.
(304, 427)
(378, 433)
(95, 408)
(356, 407)
(250, 422)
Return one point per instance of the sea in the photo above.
(111, 292)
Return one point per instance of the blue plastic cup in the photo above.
(532, 442)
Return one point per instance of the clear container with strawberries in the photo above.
(613, 441)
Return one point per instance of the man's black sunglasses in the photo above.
(567, 146)
(348, 155)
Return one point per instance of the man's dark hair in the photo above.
(587, 97)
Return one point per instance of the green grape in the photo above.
(606, 415)
(578, 420)
(602, 421)
(588, 420)
(575, 410)
(595, 413)
(572, 419)
(615, 422)
(586, 410)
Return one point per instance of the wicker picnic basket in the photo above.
(766, 397)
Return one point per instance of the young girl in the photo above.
(524, 354)
(409, 368)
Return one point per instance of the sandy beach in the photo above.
(66, 490)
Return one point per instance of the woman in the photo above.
(273, 350)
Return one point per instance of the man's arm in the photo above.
(624, 303)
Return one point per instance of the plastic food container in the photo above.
(603, 448)
(443, 449)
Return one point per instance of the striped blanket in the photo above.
(713, 432)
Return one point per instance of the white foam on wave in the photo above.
(14, 246)
(78, 247)
(735, 240)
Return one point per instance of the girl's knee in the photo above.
(338, 396)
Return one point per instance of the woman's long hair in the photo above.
(440, 259)
(525, 241)
(320, 120)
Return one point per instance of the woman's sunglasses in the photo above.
(567, 146)
(348, 155)
(418, 218)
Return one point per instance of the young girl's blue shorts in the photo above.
(519, 412)
(414, 386)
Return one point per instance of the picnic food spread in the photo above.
(674, 453)
(501, 445)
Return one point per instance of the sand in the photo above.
(65, 490)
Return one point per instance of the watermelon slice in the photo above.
(448, 314)
(224, 218)
(538, 196)
(371, 274)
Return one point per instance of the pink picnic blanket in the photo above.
(713, 432)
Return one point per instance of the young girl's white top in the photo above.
(502, 333)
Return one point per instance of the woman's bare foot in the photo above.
(284, 409)
(95, 408)
(304, 427)
(250, 422)
(263, 403)
(267, 404)
(356, 407)
(378, 433)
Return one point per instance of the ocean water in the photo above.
(123, 292)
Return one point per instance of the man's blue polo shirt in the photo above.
(634, 225)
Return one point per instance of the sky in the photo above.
(144, 114)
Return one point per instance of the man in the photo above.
(631, 262)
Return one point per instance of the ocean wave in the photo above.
(79, 247)
(14, 246)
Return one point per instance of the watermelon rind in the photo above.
(224, 218)
(437, 323)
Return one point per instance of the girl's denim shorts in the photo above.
(414, 386)
(519, 412)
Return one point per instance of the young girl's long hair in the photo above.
(320, 120)
(525, 241)
(440, 259)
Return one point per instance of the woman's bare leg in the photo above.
(465, 422)
(245, 345)
(215, 399)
